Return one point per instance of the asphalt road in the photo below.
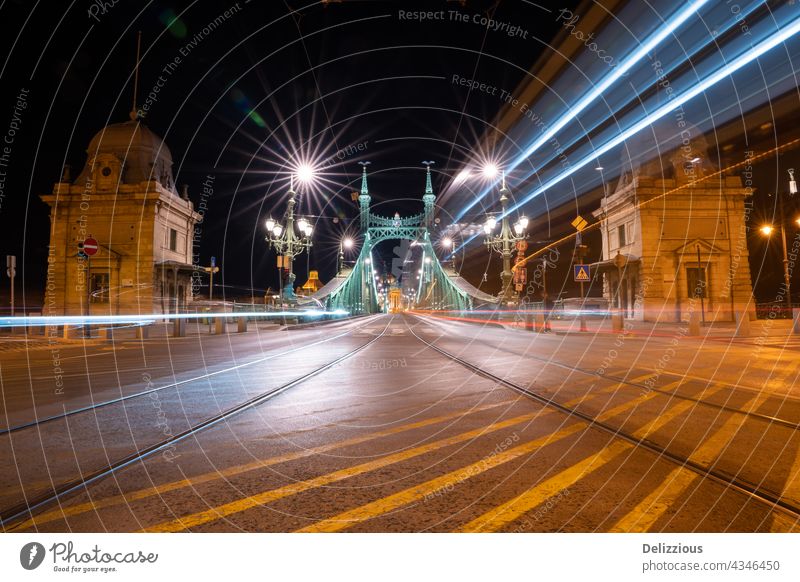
(399, 437)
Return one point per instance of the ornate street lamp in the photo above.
(288, 243)
(504, 242)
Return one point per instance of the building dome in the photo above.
(141, 154)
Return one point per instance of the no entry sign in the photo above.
(90, 246)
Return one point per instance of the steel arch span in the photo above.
(355, 289)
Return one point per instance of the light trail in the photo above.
(676, 21)
(678, 101)
(147, 318)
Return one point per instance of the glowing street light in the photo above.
(504, 242)
(305, 173)
(287, 244)
(490, 170)
(447, 242)
(767, 229)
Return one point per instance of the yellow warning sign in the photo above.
(579, 223)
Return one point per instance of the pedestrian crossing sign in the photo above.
(582, 273)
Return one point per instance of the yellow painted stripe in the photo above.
(647, 512)
(412, 494)
(269, 496)
(507, 512)
(240, 505)
(665, 416)
(381, 506)
(239, 469)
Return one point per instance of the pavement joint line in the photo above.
(240, 469)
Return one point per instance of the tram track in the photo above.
(751, 490)
(98, 405)
(26, 509)
(770, 419)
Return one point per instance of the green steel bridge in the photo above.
(439, 288)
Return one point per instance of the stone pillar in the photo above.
(219, 325)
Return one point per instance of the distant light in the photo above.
(428, 260)
(766, 229)
(305, 173)
(599, 168)
(490, 170)
(447, 242)
(348, 243)
(695, 160)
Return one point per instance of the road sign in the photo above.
(582, 273)
(90, 246)
(213, 261)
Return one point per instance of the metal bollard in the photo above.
(242, 324)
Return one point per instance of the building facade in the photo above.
(672, 247)
(125, 198)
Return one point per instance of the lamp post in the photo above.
(503, 243)
(767, 231)
(345, 243)
(288, 243)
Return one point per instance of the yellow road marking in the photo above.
(647, 512)
(239, 469)
(381, 506)
(507, 512)
(665, 416)
(240, 505)
(269, 496)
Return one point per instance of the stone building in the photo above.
(126, 199)
(673, 244)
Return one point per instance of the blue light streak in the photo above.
(149, 318)
(673, 24)
(723, 72)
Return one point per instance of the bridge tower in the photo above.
(364, 199)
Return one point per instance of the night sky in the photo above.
(245, 94)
